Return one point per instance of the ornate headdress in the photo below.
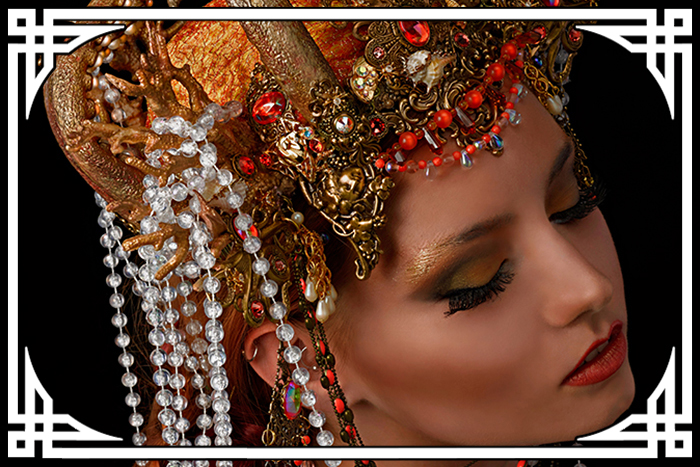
(209, 188)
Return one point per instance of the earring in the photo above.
(287, 426)
(255, 353)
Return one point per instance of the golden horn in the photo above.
(289, 53)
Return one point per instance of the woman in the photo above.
(415, 376)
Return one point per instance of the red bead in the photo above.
(298, 462)
(365, 462)
(420, 134)
(416, 32)
(402, 167)
(422, 164)
(471, 149)
(519, 63)
(496, 129)
(509, 105)
(513, 90)
(396, 146)
(330, 376)
(443, 118)
(432, 125)
(350, 430)
(246, 165)
(269, 107)
(474, 99)
(574, 35)
(407, 141)
(322, 347)
(505, 115)
(496, 71)
(456, 155)
(509, 51)
(379, 163)
(339, 405)
(437, 161)
(306, 440)
(486, 138)
(551, 2)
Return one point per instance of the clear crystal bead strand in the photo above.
(284, 331)
(111, 237)
(194, 328)
(176, 359)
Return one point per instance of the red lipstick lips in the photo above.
(611, 356)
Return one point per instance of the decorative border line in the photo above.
(43, 41)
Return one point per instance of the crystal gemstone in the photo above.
(416, 32)
(292, 401)
(344, 124)
(269, 107)
(257, 309)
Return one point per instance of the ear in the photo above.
(265, 340)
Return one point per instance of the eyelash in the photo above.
(589, 200)
(466, 299)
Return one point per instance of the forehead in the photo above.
(421, 211)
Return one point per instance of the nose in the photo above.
(570, 282)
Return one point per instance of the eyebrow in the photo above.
(426, 258)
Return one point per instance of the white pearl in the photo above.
(334, 293)
(310, 291)
(298, 218)
(322, 311)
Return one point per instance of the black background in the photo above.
(618, 112)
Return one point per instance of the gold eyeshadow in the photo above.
(474, 273)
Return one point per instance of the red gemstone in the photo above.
(280, 266)
(377, 126)
(415, 32)
(246, 165)
(378, 53)
(269, 107)
(316, 146)
(574, 35)
(461, 39)
(257, 308)
(265, 159)
(551, 2)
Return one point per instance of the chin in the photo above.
(616, 404)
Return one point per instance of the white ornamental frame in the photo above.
(22, 25)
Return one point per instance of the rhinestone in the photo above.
(132, 399)
(269, 107)
(378, 53)
(300, 376)
(261, 266)
(292, 354)
(344, 124)
(308, 398)
(278, 311)
(269, 288)
(416, 32)
(292, 401)
(257, 308)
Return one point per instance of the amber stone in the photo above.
(416, 32)
(461, 39)
(246, 165)
(292, 401)
(269, 107)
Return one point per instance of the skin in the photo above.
(490, 375)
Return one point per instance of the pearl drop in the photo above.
(322, 311)
(310, 291)
(554, 105)
(334, 293)
(330, 303)
(298, 218)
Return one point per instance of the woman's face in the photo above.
(420, 368)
